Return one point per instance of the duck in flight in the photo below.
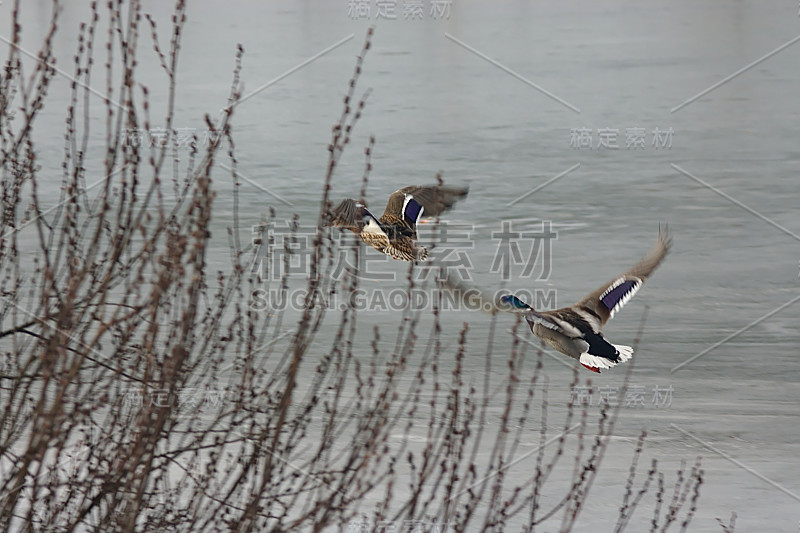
(395, 232)
(576, 331)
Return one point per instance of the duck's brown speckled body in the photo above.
(395, 232)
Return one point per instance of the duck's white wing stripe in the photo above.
(412, 209)
(619, 293)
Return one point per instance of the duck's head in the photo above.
(513, 301)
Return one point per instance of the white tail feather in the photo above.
(595, 361)
(625, 352)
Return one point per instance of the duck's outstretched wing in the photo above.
(350, 214)
(407, 205)
(356, 217)
(610, 297)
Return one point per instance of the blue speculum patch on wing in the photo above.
(412, 210)
(620, 294)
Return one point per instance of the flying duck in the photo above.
(576, 330)
(395, 232)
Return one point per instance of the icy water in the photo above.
(584, 115)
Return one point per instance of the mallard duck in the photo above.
(576, 330)
(395, 232)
